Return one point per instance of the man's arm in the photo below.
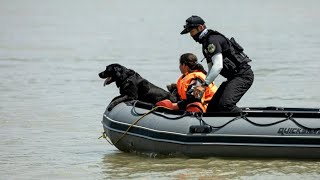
(214, 68)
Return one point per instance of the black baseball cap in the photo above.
(192, 22)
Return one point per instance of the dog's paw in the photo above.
(171, 87)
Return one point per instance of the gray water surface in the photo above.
(52, 101)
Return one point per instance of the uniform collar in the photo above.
(203, 33)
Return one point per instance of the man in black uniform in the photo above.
(226, 57)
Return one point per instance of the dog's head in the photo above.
(114, 73)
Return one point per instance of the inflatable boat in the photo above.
(255, 132)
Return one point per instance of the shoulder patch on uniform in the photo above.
(211, 48)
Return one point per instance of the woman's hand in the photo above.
(199, 91)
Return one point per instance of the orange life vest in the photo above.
(184, 82)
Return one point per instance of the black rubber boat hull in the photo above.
(257, 132)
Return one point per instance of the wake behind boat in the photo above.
(256, 132)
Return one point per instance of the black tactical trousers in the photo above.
(230, 92)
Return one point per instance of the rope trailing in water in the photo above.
(104, 136)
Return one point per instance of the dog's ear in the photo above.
(118, 74)
(117, 71)
(116, 68)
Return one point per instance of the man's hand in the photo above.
(199, 91)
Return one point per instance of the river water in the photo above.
(52, 101)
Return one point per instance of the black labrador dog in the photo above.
(132, 86)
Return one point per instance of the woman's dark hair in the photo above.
(191, 61)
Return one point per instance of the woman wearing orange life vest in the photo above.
(193, 74)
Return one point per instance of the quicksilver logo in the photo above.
(284, 131)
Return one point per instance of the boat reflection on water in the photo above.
(121, 165)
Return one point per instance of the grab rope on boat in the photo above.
(244, 116)
(241, 116)
(159, 114)
(202, 122)
(104, 135)
(144, 115)
(135, 122)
